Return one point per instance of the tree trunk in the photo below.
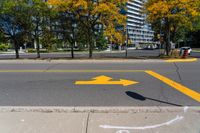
(91, 45)
(90, 48)
(16, 49)
(168, 45)
(72, 49)
(38, 47)
(73, 44)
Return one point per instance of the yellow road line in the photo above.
(182, 60)
(69, 71)
(187, 91)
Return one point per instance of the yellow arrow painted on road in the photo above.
(104, 80)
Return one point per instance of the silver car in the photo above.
(185, 48)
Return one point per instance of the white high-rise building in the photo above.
(138, 30)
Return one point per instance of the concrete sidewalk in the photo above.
(100, 120)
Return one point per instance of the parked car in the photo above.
(185, 48)
(151, 47)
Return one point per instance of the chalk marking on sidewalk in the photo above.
(177, 119)
(187, 91)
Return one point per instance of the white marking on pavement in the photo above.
(178, 118)
(185, 109)
(22, 120)
(123, 131)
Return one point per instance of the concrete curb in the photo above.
(197, 51)
(49, 61)
(182, 60)
(89, 109)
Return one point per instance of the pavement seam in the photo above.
(177, 71)
(87, 123)
(162, 94)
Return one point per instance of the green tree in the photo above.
(101, 42)
(48, 39)
(65, 26)
(193, 36)
(173, 14)
(13, 22)
(91, 14)
(39, 19)
(2, 37)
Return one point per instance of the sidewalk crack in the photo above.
(87, 123)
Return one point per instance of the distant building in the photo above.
(138, 30)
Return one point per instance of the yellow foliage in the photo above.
(180, 12)
(106, 10)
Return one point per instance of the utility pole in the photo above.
(126, 41)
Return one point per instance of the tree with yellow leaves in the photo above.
(172, 14)
(95, 15)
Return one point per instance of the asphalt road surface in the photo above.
(54, 84)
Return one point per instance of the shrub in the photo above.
(30, 50)
(4, 47)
